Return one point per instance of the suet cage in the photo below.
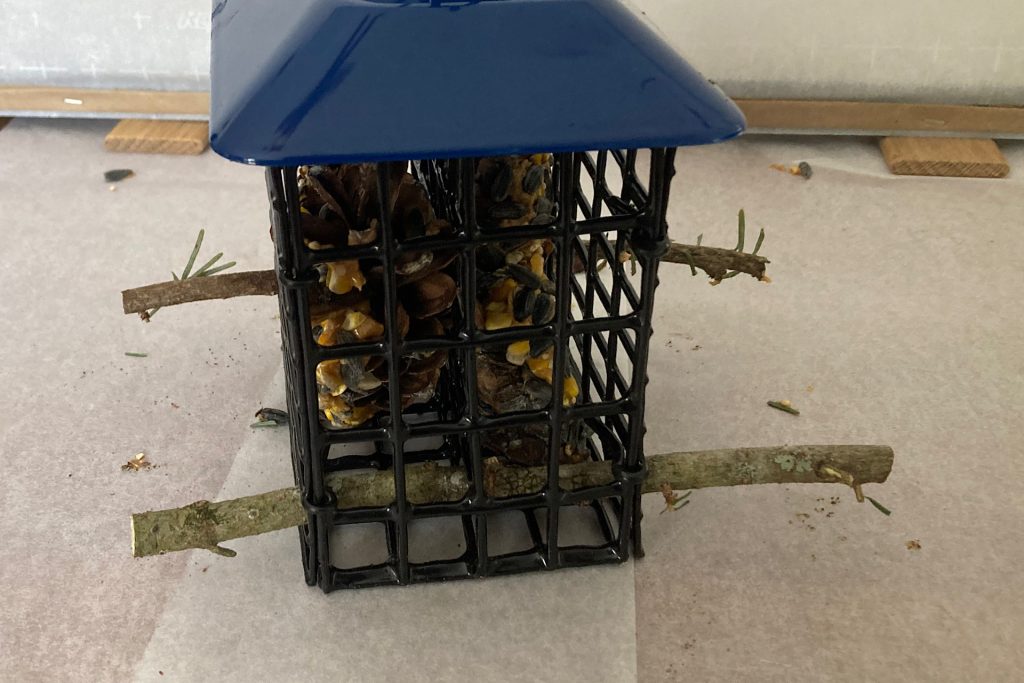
(468, 204)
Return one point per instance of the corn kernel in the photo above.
(498, 320)
(570, 391)
(537, 263)
(344, 276)
(503, 291)
(329, 375)
(541, 368)
(517, 352)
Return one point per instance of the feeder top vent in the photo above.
(341, 81)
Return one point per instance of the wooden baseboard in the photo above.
(117, 103)
(953, 157)
(881, 117)
(159, 137)
(763, 115)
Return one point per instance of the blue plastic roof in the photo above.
(338, 81)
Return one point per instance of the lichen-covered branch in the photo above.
(251, 283)
(207, 525)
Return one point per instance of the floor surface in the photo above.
(895, 315)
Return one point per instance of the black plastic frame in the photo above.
(610, 404)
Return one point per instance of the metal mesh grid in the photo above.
(601, 331)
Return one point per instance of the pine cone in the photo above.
(340, 205)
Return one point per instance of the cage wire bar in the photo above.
(612, 397)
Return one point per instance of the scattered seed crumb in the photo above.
(205, 568)
(913, 545)
(698, 347)
(112, 188)
(802, 169)
(673, 502)
(174, 405)
(810, 388)
(136, 354)
(137, 462)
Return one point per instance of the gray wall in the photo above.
(913, 50)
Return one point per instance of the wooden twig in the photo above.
(713, 261)
(251, 283)
(716, 262)
(207, 525)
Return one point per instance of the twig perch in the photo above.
(716, 262)
(713, 261)
(251, 283)
(207, 525)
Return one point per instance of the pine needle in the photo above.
(213, 271)
(760, 241)
(206, 269)
(195, 253)
(784, 407)
(881, 508)
(742, 230)
(208, 264)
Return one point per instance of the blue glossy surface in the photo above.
(332, 81)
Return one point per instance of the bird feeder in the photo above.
(468, 205)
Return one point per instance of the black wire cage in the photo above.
(451, 305)
(608, 228)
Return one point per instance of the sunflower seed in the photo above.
(116, 174)
(543, 219)
(532, 179)
(524, 303)
(506, 211)
(544, 309)
(523, 275)
(490, 258)
(502, 184)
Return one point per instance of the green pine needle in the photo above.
(742, 230)
(212, 271)
(195, 253)
(760, 241)
(881, 508)
(208, 264)
(779, 405)
(689, 259)
(208, 268)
